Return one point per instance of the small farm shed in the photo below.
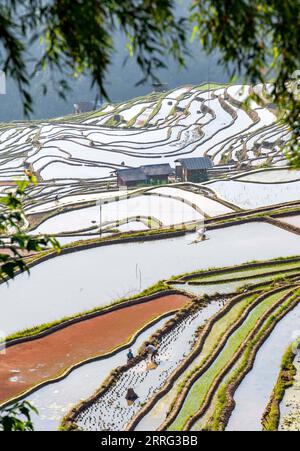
(131, 177)
(152, 174)
(193, 169)
(157, 173)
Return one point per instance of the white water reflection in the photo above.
(55, 400)
(76, 282)
(254, 393)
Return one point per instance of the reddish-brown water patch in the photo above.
(28, 364)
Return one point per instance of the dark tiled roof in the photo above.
(196, 163)
(157, 169)
(132, 175)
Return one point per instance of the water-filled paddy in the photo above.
(271, 176)
(292, 220)
(253, 394)
(56, 399)
(48, 357)
(250, 195)
(83, 280)
(110, 412)
(168, 211)
(290, 405)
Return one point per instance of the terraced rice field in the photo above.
(251, 195)
(52, 355)
(254, 392)
(55, 399)
(271, 176)
(207, 272)
(290, 406)
(246, 318)
(81, 282)
(292, 220)
(68, 153)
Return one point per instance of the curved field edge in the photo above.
(159, 288)
(245, 275)
(225, 396)
(195, 353)
(68, 422)
(185, 412)
(213, 271)
(238, 216)
(164, 233)
(66, 372)
(122, 238)
(118, 348)
(271, 416)
(199, 345)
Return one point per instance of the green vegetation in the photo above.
(159, 286)
(198, 392)
(82, 42)
(12, 218)
(285, 268)
(223, 398)
(212, 85)
(270, 420)
(13, 239)
(17, 417)
(232, 270)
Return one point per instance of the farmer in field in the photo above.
(130, 356)
(131, 396)
(152, 352)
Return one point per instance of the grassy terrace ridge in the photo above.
(242, 365)
(245, 359)
(199, 390)
(271, 210)
(228, 219)
(263, 171)
(115, 239)
(252, 217)
(160, 286)
(117, 109)
(255, 264)
(38, 218)
(271, 416)
(171, 317)
(207, 344)
(156, 288)
(248, 273)
(68, 422)
(224, 404)
(246, 281)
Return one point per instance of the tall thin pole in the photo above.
(100, 219)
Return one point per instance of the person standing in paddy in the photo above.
(130, 356)
(152, 352)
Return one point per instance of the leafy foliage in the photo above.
(76, 37)
(13, 240)
(17, 417)
(257, 38)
